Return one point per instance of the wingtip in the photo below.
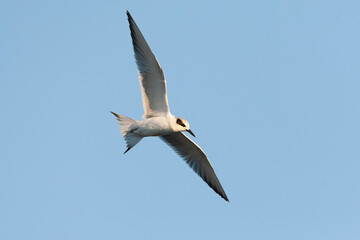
(128, 14)
(223, 195)
(115, 114)
(127, 150)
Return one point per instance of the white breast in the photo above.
(155, 126)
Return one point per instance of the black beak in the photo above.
(189, 131)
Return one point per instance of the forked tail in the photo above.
(125, 123)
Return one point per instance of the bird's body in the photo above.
(158, 121)
(155, 126)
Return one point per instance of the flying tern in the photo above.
(158, 121)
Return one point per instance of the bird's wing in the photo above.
(152, 79)
(195, 158)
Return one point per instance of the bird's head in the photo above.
(183, 125)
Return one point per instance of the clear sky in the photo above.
(270, 88)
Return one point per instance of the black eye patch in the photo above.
(178, 121)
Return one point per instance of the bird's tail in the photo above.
(125, 123)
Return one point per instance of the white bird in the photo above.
(158, 121)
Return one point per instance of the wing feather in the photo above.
(195, 158)
(152, 79)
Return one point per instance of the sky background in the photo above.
(270, 88)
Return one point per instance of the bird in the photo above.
(157, 119)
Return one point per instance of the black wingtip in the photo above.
(127, 150)
(128, 14)
(223, 195)
(115, 114)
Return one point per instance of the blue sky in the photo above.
(270, 88)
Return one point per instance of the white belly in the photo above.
(157, 126)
